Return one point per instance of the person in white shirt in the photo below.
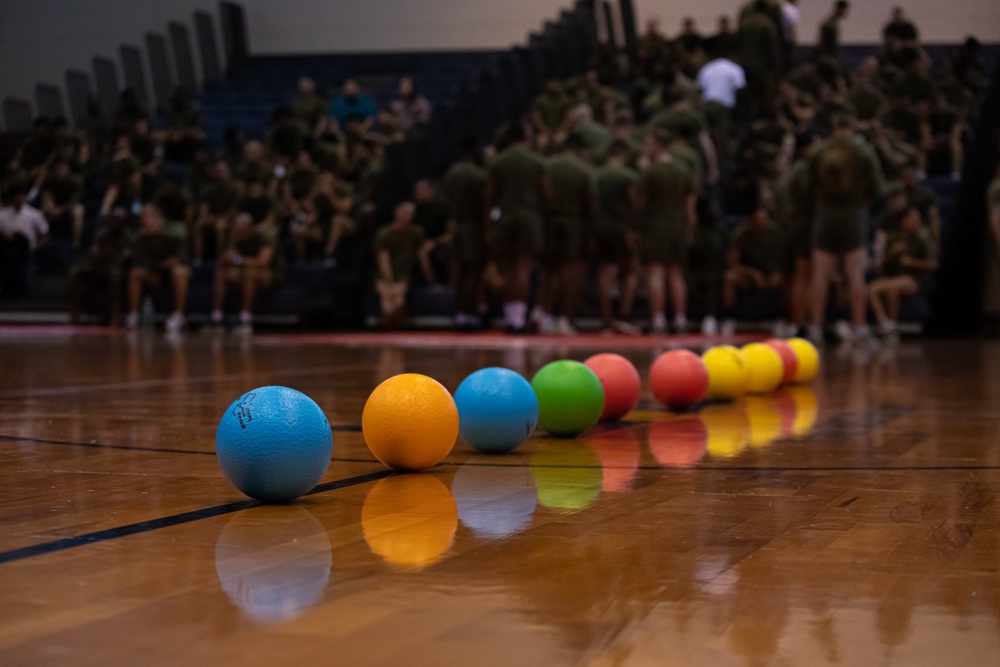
(23, 229)
(720, 81)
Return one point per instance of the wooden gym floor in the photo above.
(853, 522)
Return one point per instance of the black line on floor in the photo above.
(160, 450)
(169, 521)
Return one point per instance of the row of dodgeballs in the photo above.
(275, 443)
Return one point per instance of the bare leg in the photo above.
(631, 282)
(219, 286)
(875, 291)
(657, 290)
(800, 292)
(854, 267)
(77, 225)
(181, 277)
(823, 266)
(729, 291)
(137, 277)
(254, 280)
(678, 290)
(605, 281)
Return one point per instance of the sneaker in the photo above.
(863, 334)
(217, 317)
(659, 327)
(709, 326)
(778, 330)
(547, 324)
(175, 323)
(815, 334)
(728, 326)
(681, 325)
(132, 321)
(565, 328)
(844, 331)
(887, 328)
(627, 328)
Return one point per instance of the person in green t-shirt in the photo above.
(754, 262)
(666, 199)
(548, 113)
(907, 268)
(253, 261)
(829, 31)
(617, 229)
(157, 258)
(517, 191)
(398, 247)
(309, 109)
(569, 233)
(796, 218)
(465, 189)
(61, 202)
(217, 206)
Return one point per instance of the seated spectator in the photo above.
(177, 210)
(157, 259)
(284, 137)
(23, 229)
(755, 256)
(254, 262)
(908, 267)
(200, 176)
(309, 109)
(217, 206)
(259, 205)
(923, 198)
(352, 103)
(398, 247)
(122, 167)
(184, 131)
(323, 219)
(103, 267)
(255, 166)
(129, 110)
(12, 175)
(410, 108)
(690, 41)
(37, 148)
(297, 187)
(549, 113)
(589, 90)
(60, 196)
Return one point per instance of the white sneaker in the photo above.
(547, 324)
(627, 328)
(709, 326)
(680, 325)
(565, 328)
(659, 327)
(887, 328)
(779, 329)
(175, 323)
(728, 326)
(217, 317)
(815, 334)
(863, 334)
(844, 331)
(132, 321)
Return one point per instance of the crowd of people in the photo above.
(632, 173)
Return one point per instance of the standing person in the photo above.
(517, 190)
(617, 226)
(569, 233)
(845, 180)
(465, 188)
(796, 217)
(157, 258)
(908, 267)
(103, 266)
(667, 201)
(791, 16)
(398, 247)
(254, 262)
(720, 81)
(829, 32)
(23, 229)
(759, 54)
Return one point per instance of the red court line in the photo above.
(494, 339)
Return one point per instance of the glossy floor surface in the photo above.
(851, 522)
